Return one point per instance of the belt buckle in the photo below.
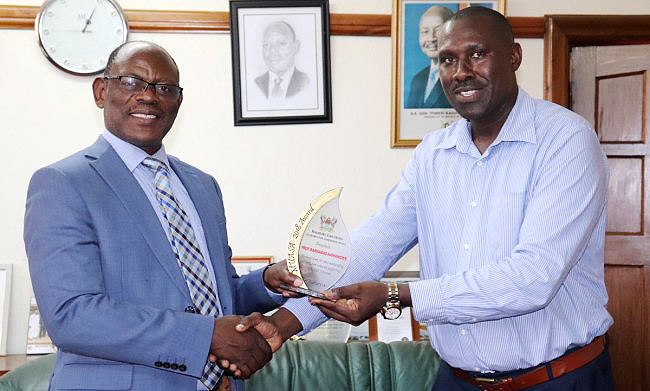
(486, 383)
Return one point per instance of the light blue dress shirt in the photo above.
(511, 241)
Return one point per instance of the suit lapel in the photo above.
(118, 177)
(204, 198)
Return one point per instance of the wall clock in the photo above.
(78, 35)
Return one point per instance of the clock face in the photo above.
(79, 35)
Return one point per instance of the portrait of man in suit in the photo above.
(279, 49)
(128, 250)
(426, 91)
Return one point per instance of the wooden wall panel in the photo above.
(22, 17)
(619, 117)
(625, 192)
(628, 307)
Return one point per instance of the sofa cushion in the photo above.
(34, 375)
(356, 366)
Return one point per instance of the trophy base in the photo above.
(306, 292)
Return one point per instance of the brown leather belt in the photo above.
(558, 367)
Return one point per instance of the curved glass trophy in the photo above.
(319, 245)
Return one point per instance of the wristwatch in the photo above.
(392, 309)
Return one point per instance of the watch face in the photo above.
(79, 35)
(392, 313)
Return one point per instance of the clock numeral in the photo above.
(46, 31)
(66, 62)
(84, 66)
(118, 31)
(52, 49)
(50, 13)
(113, 13)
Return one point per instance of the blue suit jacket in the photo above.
(106, 279)
(435, 100)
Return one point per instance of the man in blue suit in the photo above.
(129, 255)
(426, 91)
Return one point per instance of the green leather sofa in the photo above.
(304, 365)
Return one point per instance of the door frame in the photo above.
(564, 32)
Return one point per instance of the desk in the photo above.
(11, 362)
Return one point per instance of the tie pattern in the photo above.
(188, 255)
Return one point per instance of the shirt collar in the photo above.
(286, 76)
(131, 155)
(520, 126)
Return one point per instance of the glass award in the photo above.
(319, 245)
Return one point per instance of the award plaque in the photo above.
(319, 245)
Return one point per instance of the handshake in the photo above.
(243, 344)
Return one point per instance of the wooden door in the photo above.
(609, 87)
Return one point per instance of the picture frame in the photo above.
(38, 341)
(280, 61)
(5, 296)
(419, 105)
(245, 265)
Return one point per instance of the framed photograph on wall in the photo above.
(245, 265)
(280, 61)
(419, 104)
(38, 342)
(5, 294)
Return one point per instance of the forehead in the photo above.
(277, 32)
(470, 31)
(149, 63)
(431, 20)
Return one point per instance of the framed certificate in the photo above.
(245, 265)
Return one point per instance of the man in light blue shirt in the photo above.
(508, 206)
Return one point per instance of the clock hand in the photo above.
(88, 20)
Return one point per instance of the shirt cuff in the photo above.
(278, 298)
(309, 315)
(428, 301)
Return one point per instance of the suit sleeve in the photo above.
(66, 270)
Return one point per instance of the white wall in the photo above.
(48, 114)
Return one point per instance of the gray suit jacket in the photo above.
(106, 279)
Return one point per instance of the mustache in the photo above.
(465, 86)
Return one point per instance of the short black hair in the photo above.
(499, 22)
(116, 51)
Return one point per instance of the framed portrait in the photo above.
(280, 61)
(38, 342)
(5, 294)
(419, 104)
(245, 265)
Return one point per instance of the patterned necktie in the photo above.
(188, 255)
(277, 90)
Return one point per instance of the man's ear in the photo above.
(99, 91)
(515, 56)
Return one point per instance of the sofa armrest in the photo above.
(31, 376)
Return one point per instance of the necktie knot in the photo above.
(154, 164)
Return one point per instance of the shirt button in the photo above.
(479, 163)
(463, 331)
(473, 204)
(466, 246)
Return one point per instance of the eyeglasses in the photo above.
(134, 85)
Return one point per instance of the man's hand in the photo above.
(278, 275)
(244, 352)
(355, 303)
(263, 325)
(276, 329)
